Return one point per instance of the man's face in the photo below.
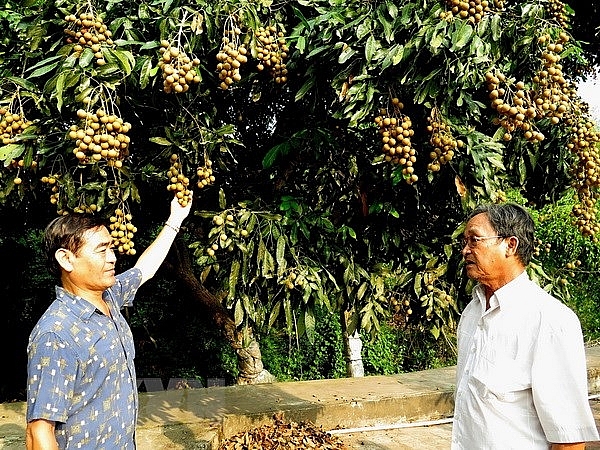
(94, 263)
(485, 259)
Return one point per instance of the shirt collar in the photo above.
(80, 307)
(503, 297)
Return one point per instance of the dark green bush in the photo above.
(289, 359)
(572, 263)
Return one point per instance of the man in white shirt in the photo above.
(521, 372)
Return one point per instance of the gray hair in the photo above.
(510, 219)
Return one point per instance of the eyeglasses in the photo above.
(472, 241)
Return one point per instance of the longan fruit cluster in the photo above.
(230, 58)
(539, 246)
(205, 174)
(85, 208)
(293, 279)
(52, 181)
(226, 228)
(396, 131)
(584, 143)
(272, 52)
(553, 96)
(100, 135)
(584, 214)
(434, 298)
(19, 164)
(11, 125)
(473, 10)
(400, 309)
(88, 31)
(442, 140)
(225, 222)
(122, 232)
(500, 196)
(557, 9)
(178, 182)
(514, 107)
(178, 69)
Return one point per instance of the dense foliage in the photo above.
(586, 29)
(332, 146)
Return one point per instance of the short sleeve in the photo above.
(52, 368)
(559, 382)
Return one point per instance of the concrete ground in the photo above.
(432, 437)
(200, 419)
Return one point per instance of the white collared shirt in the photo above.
(521, 372)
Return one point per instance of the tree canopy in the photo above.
(332, 146)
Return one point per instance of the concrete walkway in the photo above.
(202, 418)
(421, 435)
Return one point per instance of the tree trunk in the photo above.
(243, 342)
(353, 350)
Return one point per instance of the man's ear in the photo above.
(64, 258)
(513, 244)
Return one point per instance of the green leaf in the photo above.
(167, 6)
(360, 293)
(367, 320)
(307, 86)
(437, 41)
(363, 29)
(45, 66)
(123, 58)
(388, 30)
(407, 13)
(233, 278)
(11, 151)
(160, 141)
(279, 150)
(347, 53)
(249, 307)
(417, 284)
(289, 315)
(301, 44)
(462, 35)
(398, 55)
(370, 48)
(310, 324)
(265, 260)
(23, 83)
(145, 72)
(274, 314)
(305, 23)
(352, 321)
(496, 27)
(222, 201)
(392, 9)
(317, 50)
(280, 255)
(86, 58)
(238, 313)
(59, 88)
